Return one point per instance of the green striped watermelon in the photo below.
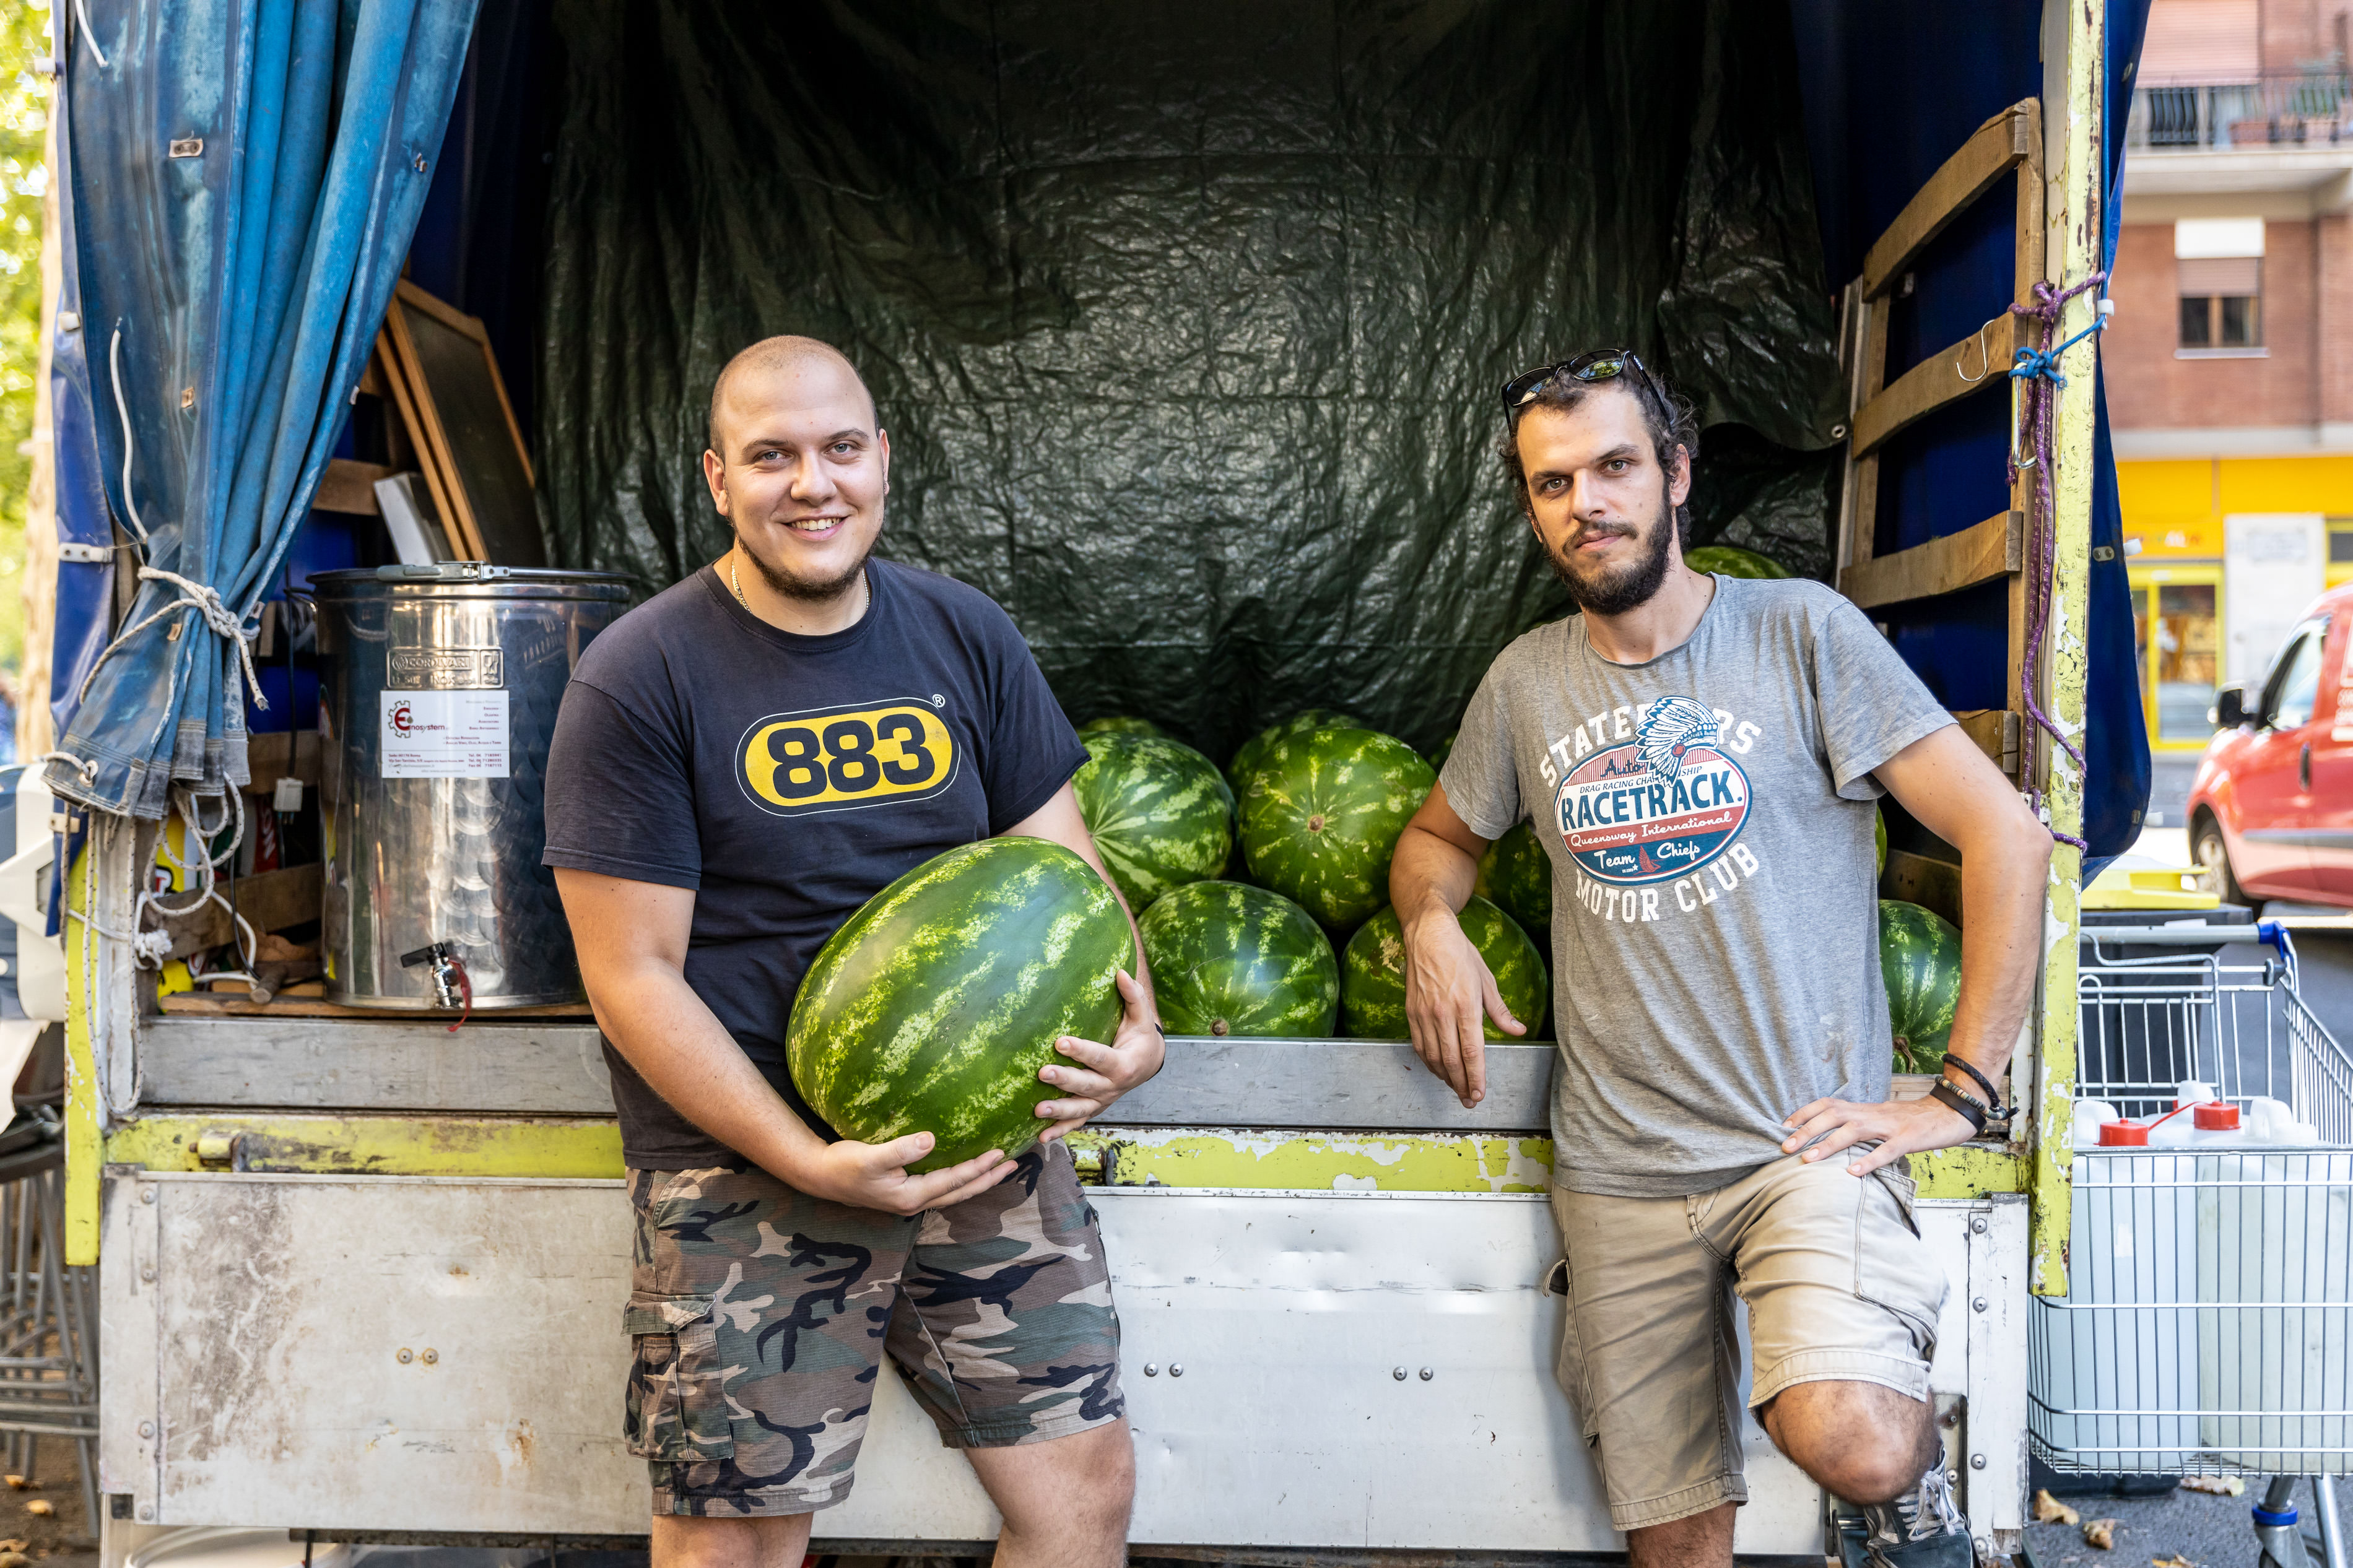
(932, 1007)
(1321, 816)
(1246, 760)
(1233, 960)
(1517, 873)
(1119, 725)
(1733, 562)
(1372, 973)
(1160, 813)
(1879, 837)
(1920, 959)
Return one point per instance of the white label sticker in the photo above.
(445, 734)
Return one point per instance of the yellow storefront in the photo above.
(2173, 511)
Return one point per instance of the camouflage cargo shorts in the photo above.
(760, 1316)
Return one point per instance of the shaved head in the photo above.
(783, 358)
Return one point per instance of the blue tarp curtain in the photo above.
(243, 178)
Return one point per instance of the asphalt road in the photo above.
(2209, 1531)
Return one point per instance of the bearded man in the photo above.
(740, 763)
(1701, 756)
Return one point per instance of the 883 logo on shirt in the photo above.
(846, 758)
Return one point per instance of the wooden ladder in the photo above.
(2011, 142)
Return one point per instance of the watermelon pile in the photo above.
(1516, 874)
(1246, 760)
(1233, 960)
(1920, 960)
(1122, 725)
(1321, 811)
(1733, 562)
(1372, 973)
(1159, 811)
(934, 1007)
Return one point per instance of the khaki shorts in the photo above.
(1839, 1287)
(760, 1316)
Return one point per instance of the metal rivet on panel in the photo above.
(1978, 1305)
(1838, 432)
(1174, 1370)
(1398, 1374)
(1978, 1226)
(1428, 1372)
(147, 1274)
(1952, 1478)
(1152, 1369)
(431, 1355)
(1976, 1461)
(405, 1355)
(146, 1195)
(146, 1513)
(146, 1428)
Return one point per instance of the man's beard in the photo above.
(803, 588)
(1627, 587)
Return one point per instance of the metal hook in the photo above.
(1985, 365)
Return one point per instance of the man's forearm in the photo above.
(668, 1032)
(1428, 875)
(2001, 947)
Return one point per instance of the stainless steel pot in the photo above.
(439, 692)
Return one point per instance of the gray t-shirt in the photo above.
(1715, 928)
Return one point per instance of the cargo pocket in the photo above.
(1893, 1267)
(677, 1408)
(1570, 1369)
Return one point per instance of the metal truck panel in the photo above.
(431, 1354)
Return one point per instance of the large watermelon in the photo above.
(1120, 725)
(1321, 816)
(1517, 873)
(1733, 562)
(1231, 960)
(1372, 973)
(1246, 760)
(1160, 813)
(933, 1008)
(1920, 959)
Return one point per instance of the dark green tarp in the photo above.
(1186, 319)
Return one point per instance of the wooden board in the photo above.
(1932, 884)
(271, 900)
(349, 487)
(412, 418)
(2000, 144)
(1995, 732)
(281, 753)
(1977, 363)
(1978, 553)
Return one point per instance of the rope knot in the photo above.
(206, 601)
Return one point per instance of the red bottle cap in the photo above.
(2212, 1116)
(2125, 1133)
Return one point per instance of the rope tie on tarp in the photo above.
(206, 602)
(2037, 367)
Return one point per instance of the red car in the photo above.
(2271, 812)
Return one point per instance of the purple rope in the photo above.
(2038, 367)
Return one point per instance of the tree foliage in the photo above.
(24, 182)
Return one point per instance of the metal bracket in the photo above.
(89, 554)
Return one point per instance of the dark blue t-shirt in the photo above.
(788, 780)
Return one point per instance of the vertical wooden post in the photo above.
(2077, 187)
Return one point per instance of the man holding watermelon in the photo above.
(740, 764)
(1701, 756)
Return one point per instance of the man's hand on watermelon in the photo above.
(1094, 1073)
(1449, 989)
(1952, 790)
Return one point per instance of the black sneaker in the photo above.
(1924, 1528)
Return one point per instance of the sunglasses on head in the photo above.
(1600, 367)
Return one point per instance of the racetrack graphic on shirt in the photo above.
(846, 758)
(1660, 807)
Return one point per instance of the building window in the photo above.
(2221, 303)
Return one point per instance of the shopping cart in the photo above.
(2207, 1328)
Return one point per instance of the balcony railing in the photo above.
(2303, 108)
